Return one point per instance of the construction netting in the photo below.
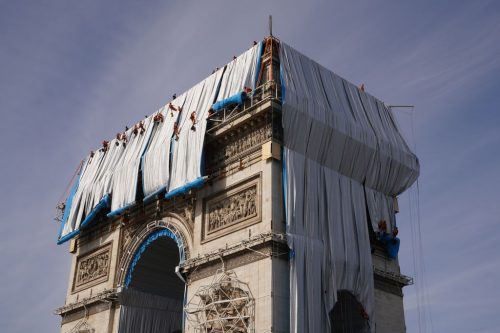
(342, 153)
(165, 149)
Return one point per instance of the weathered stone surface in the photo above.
(92, 268)
(232, 209)
(241, 201)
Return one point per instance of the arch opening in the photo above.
(348, 315)
(153, 296)
(155, 273)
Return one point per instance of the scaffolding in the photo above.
(225, 305)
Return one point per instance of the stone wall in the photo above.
(236, 222)
(389, 312)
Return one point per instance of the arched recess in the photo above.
(348, 315)
(152, 292)
(173, 223)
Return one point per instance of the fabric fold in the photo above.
(341, 145)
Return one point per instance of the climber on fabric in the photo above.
(390, 241)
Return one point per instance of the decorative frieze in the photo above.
(92, 268)
(238, 145)
(232, 209)
(248, 141)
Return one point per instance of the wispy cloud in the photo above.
(76, 73)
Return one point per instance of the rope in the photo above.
(425, 293)
(66, 191)
(424, 316)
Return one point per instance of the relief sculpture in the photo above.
(92, 268)
(234, 208)
(247, 142)
(241, 144)
(128, 232)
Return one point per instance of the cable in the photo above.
(425, 294)
(72, 180)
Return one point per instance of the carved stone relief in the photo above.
(186, 211)
(182, 207)
(232, 209)
(92, 268)
(128, 232)
(254, 138)
(240, 144)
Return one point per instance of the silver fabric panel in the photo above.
(111, 172)
(340, 145)
(328, 234)
(156, 160)
(380, 207)
(103, 183)
(88, 174)
(324, 105)
(95, 183)
(115, 172)
(187, 151)
(127, 168)
(239, 73)
(143, 312)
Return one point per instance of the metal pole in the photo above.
(270, 25)
(400, 106)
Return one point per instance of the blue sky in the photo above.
(73, 73)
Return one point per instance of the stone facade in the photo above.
(232, 209)
(235, 223)
(92, 268)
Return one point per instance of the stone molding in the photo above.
(232, 209)
(232, 147)
(257, 247)
(238, 147)
(92, 268)
(387, 286)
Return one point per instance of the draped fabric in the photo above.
(343, 156)
(187, 149)
(144, 312)
(169, 153)
(327, 232)
(83, 196)
(103, 184)
(108, 170)
(239, 73)
(342, 127)
(127, 169)
(380, 207)
(156, 160)
(73, 209)
(338, 141)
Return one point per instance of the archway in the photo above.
(348, 315)
(152, 298)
